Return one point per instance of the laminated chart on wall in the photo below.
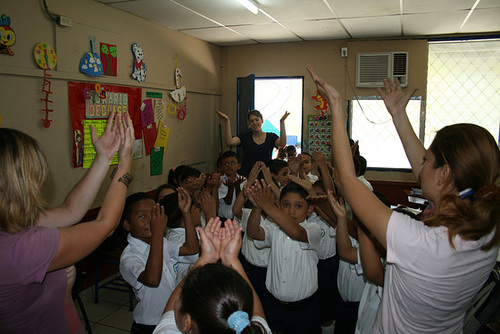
(89, 152)
(88, 106)
(319, 134)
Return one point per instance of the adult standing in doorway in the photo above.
(256, 145)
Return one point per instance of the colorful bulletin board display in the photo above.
(319, 134)
(140, 68)
(87, 107)
(7, 36)
(109, 54)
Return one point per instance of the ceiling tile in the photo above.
(429, 6)
(219, 36)
(432, 23)
(317, 29)
(267, 33)
(286, 10)
(381, 26)
(483, 20)
(363, 8)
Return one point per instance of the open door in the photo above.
(245, 101)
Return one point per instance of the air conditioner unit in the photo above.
(373, 67)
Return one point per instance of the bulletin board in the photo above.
(86, 108)
(319, 134)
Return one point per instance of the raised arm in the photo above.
(346, 251)
(151, 276)
(326, 176)
(395, 101)
(81, 197)
(370, 260)
(373, 213)
(281, 141)
(230, 140)
(262, 196)
(254, 230)
(191, 245)
(79, 240)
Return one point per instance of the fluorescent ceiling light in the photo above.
(250, 5)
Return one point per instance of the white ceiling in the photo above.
(226, 22)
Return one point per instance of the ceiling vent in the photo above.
(372, 68)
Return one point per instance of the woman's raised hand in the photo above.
(128, 138)
(328, 92)
(394, 98)
(107, 144)
(222, 115)
(285, 115)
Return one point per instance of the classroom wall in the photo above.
(192, 141)
(290, 59)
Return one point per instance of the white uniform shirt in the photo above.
(257, 256)
(313, 178)
(176, 237)
(350, 278)
(368, 307)
(328, 242)
(292, 274)
(428, 284)
(151, 301)
(167, 324)
(226, 210)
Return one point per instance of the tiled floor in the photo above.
(110, 315)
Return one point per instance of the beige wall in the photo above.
(210, 74)
(290, 59)
(192, 141)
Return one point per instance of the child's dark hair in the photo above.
(276, 165)
(172, 210)
(227, 154)
(131, 200)
(294, 188)
(359, 164)
(211, 293)
(189, 172)
(290, 148)
(175, 173)
(159, 189)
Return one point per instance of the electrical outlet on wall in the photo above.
(65, 21)
(343, 52)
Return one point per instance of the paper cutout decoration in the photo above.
(162, 137)
(179, 94)
(160, 111)
(46, 90)
(322, 106)
(149, 137)
(156, 161)
(147, 114)
(178, 76)
(79, 147)
(140, 68)
(91, 63)
(137, 150)
(45, 56)
(109, 59)
(7, 36)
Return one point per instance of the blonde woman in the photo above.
(38, 246)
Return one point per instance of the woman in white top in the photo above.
(215, 297)
(435, 267)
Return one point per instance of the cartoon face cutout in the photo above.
(7, 36)
(140, 68)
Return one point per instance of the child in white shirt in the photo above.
(231, 185)
(292, 276)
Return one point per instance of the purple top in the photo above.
(32, 300)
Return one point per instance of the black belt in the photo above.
(298, 305)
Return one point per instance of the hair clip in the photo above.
(466, 193)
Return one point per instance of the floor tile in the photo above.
(102, 329)
(122, 318)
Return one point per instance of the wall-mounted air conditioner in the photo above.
(372, 68)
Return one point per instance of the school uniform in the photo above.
(255, 260)
(292, 278)
(226, 210)
(327, 269)
(350, 282)
(151, 301)
(176, 237)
